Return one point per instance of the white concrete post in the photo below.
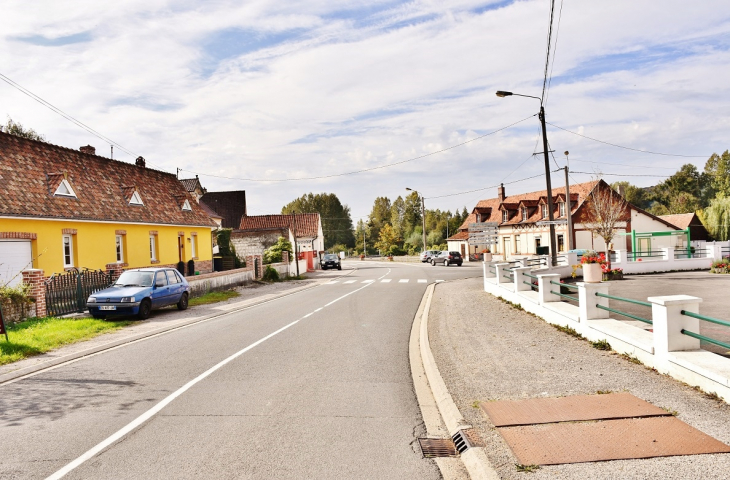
(620, 256)
(501, 274)
(572, 258)
(520, 277)
(668, 253)
(715, 251)
(544, 286)
(669, 322)
(587, 300)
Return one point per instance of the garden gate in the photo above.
(67, 292)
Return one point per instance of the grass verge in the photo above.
(39, 335)
(213, 297)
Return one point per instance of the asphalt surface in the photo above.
(321, 388)
(487, 350)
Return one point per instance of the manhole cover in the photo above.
(437, 447)
(607, 440)
(568, 409)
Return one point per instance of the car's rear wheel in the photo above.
(339, 267)
(446, 263)
(145, 308)
(182, 304)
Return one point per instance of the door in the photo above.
(15, 256)
(463, 250)
(644, 246)
(181, 248)
(161, 291)
(507, 247)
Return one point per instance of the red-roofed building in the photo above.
(519, 233)
(63, 209)
(256, 233)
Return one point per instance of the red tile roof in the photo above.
(307, 224)
(681, 220)
(30, 172)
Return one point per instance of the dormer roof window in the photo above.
(136, 199)
(186, 206)
(64, 189)
(505, 216)
(524, 214)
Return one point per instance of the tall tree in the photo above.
(362, 236)
(716, 218)
(681, 191)
(336, 220)
(412, 212)
(397, 216)
(605, 209)
(14, 128)
(717, 171)
(379, 216)
(634, 195)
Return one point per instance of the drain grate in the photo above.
(462, 442)
(437, 447)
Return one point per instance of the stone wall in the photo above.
(202, 284)
(16, 311)
(254, 243)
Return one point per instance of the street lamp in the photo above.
(553, 243)
(423, 215)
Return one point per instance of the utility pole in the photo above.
(423, 218)
(294, 234)
(551, 213)
(568, 213)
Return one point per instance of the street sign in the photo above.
(483, 225)
(544, 223)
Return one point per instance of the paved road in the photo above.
(326, 393)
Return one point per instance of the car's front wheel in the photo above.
(446, 263)
(433, 262)
(145, 308)
(182, 304)
(339, 267)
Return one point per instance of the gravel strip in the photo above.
(488, 350)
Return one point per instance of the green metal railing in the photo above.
(619, 312)
(706, 319)
(560, 294)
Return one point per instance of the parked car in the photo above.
(139, 291)
(447, 258)
(428, 254)
(330, 260)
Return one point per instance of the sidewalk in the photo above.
(488, 350)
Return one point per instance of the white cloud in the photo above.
(325, 91)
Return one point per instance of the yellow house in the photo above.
(62, 209)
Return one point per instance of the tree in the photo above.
(397, 216)
(716, 218)
(681, 193)
(412, 211)
(336, 221)
(362, 236)
(379, 216)
(634, 195)
(14, 128)
(605, 209)
(717, 173)
(388, 239)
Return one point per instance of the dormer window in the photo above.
(544, 211)
(136, 199)
(505, 216)
(524, 214)
(186, 206)
(64, 189)
(561, 206)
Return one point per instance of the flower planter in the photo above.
(607, 277)
(592, 273)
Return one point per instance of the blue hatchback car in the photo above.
(139, 291)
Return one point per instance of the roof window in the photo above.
(186, 206)
(64, 189)
(136, 199)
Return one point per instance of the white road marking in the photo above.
(368, 281)
(386, 280)
(439, 281)
(421, 280)
(403, 280)
(332, 282)
(317, 310)
(166, 401)
(350, 281)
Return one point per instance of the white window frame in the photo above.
(70, 254)
(186, 206)
(524, 214)
(64, 183)
(153, 247)
(119, 246)
(561, 205)
(505, 216)
(193, 246)
(544, 210)
(136, 199)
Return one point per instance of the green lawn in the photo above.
(40, 335)
(213, 297)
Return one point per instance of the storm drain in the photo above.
(465, 439)
(437, 447)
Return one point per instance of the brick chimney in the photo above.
(88, 149)
(500, 193)
(140, 162)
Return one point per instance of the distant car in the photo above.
(139, 291)
(447, 258)
(330, 260)
(428, 254)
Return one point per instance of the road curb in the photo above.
(33, 369)
(475, 459)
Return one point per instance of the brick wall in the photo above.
(34, 277)
(251, 262)
(115, 269)
(254, 243)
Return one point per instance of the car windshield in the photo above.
(135, 279)
(330, 257)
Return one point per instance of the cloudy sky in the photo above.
(248, 93)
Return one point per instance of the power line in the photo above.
(623, 174)
(68, 117)
(485, 188)
(364, 169)
(555, 49)
(547, 53)
(622, 164)
(627, 148)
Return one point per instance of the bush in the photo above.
(274, 254)
(20, 293)
(191, 267)
(181, 267)
(720, 266)
(270, 274)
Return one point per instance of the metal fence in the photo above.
(67, 292)
(693, 253)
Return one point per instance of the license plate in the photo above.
(107, 307)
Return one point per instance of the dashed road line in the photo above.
(386, 280)
(422, 280)
(349, 281)
(403, 280)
